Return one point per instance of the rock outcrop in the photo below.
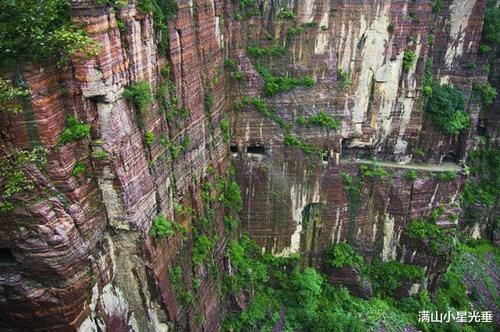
(76, 252)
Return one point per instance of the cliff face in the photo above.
(76, 252)
(80, 244)
(380, 112)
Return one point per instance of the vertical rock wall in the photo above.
(381, 114)
(82, 257)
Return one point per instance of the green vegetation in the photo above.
(78, 169)
(390, 28)
(34, 31)
(291, 139)
(340, 255)
(386, 277)
(486, 92)
(224, 127)
(446, 108)
(202, 248)
(275, 284)
(446, 176)
(310, 25)
(343, 79)
(322, 119)
(173, 148)
(149, 138)
(139, 94)
(230, 224)
(162, 11)
(13, 179)
(419, 153)
(162, 227)
(411, 175)
(409, 60)
(75, 130)
(372, 171)
(257, 51)
(101, 154)
(438, 242)
(483, 185)
(428, 80)
(231, 66)
(437, 6)
(491, 27)
(354, 188)
(263, 108)
(294, 31)
(287, 15)
(230, 195)
(277, 84)
(9, 97)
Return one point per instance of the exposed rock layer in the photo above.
(83, 255)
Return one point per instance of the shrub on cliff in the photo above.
(34, 31)
(257, 51)
(372, 171)
(9, 96)
(411, 175)
(162, 227)
(202, 249)
(287, 15)
(486, 93)
(13, 179)
(483, 185)
(139, 94)
(322, 119)
(438, 242)
(343, 78)
(230, 195)
(149, 138)
(277, 84)
(446, 176)
(75, 130)
(386, 277)
(408, 60)
(446, 108)
(342, 254)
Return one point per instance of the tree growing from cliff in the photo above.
(446, 108)
(139, 94)
(9, 96)
(34, 31)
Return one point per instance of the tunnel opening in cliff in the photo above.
(482, 127)
(7, 257)
(450, 157)
(256, 149)
(349, 150)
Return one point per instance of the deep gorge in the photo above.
(212, 165)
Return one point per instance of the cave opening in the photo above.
(359, 151)
(325, 156)
(451, 157)
(481, 129)
(256, 149)
(6, 257)
(233, 148)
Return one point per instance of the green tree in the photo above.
(34, 31)
(446, 108)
